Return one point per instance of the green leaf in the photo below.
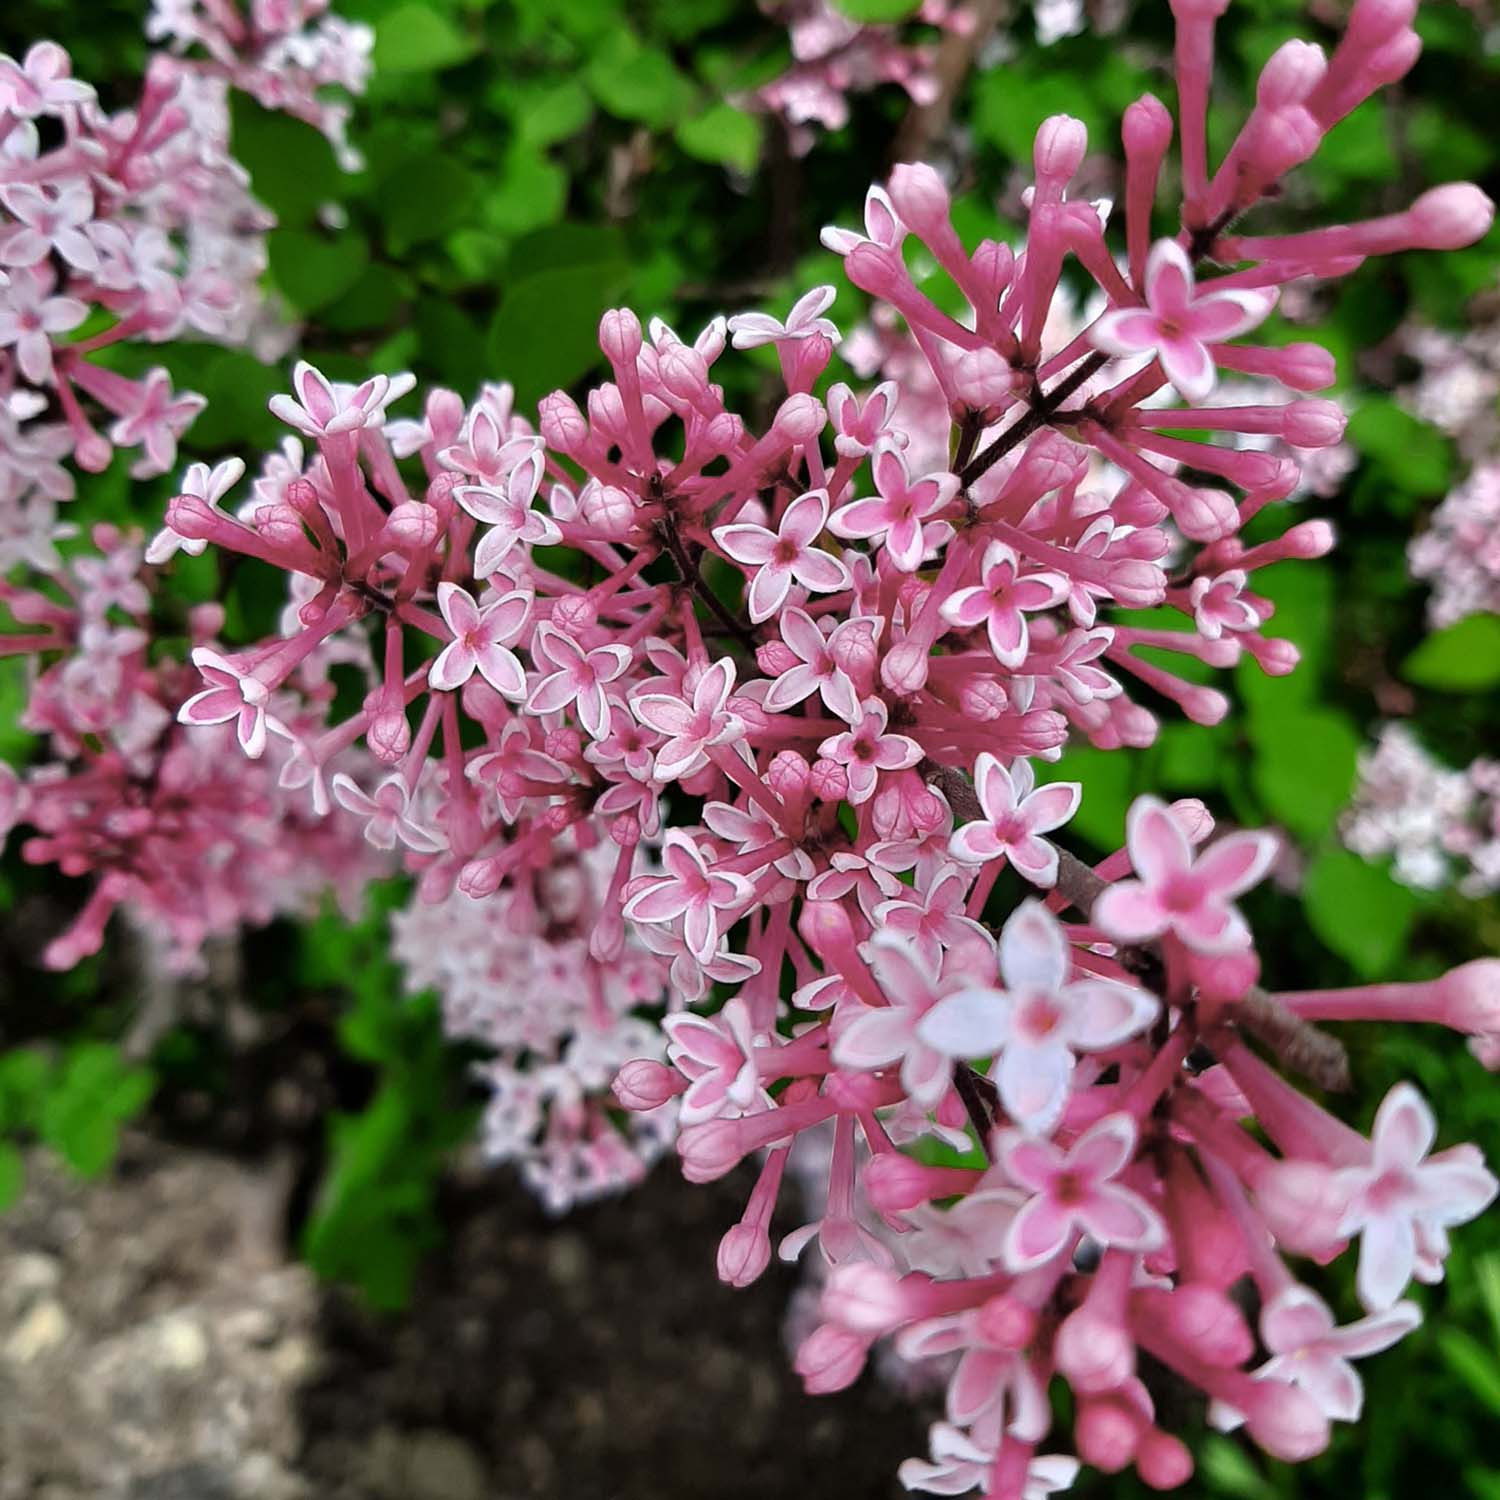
(530, 192)
(25, 1074)
(1464, 658)
(96, 1092)
(419, 39)
(1358, 911)
(12, 1175)
(876, 12)
(637, 82)
(722, 134)
(15, 688)
(545, 335)
(423, 199)
(1304, 765)
(292, 167)
(1412, 456)
(1108, 778)
(1303, 595)
(1475, 1365)
(550, 113)
(313, 270)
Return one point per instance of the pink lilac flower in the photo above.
(690, 890)
(751, 330)
(1179, 323)
(1001, 601)
(785, 556)
(577, 677)
(897, 517)
(867, 749)
(695, 725)
(481, 640)
(232, 695)
(1017, 813)
(1038, 1020)
(1191, 898)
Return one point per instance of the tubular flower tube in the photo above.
(788, 692)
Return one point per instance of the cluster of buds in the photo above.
(785, 691)
(140, 220)
(285, 54)
(187, 838)
(834, 56)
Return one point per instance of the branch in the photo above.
(925, 123)
(1302, 1047)
(699, 585)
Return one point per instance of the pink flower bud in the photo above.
(1006, 1322)
(643, 1084)
(710, 1150)
(788, 776)
(994, 265)
(683, 371)
(906, 666)
(562, 424)
(1225, 976)
(982, 698)
(1300, 1206)
(830, 1359)
(481, 877)
(1393, 59)
(1314, 424)
(1203, 1318)
(1162, 1461)
(864, 1298)
(1137, 585)
(1058, 150)
(828, 781)
(1093, 1354)
(1205, 515)
(389, 736)
(1469, 996)
(413, 524)
(1285, 1421)
(1309, 539)
(574, 613)
(1106, 1433)
(1293, 71)
(92, 453)
(1147, 127)
(744, 1253)
(1450, 217)
(564, 744)
(801, 418)
(445, 416)
(1306, 367)
(620, 336)
(774, 658)
(894, 1182)
(1372, 22)
(876, 271)
(981, 379)
(920, 198)
(193, 518)
(608, 509)
(826, 928)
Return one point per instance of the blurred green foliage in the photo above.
(531, 162)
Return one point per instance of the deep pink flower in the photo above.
(1177, 893)
(1075, 1192)
(786, 555)
(1179, 322)
(867, 750)
(1018, 813)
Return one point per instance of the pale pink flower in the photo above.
(751, 330)
(230, 694)
(817, 669)
(935, 920)
(960, 1465)
(30, 316)
(897, 515)
(1037, 1020)
(882, 227)
(387, 814)
(481, 641)
(690, 889)
(154, 422)
(693, 726)
(509, 514)
(1017, 814)
(1075, 1192)
(1191, 898)
(1219, 604)
(1002, 600)
(717, 1055)
(786, 555)
(578, 677)
(47, 222)
(1179, 322)
(207, 485)
(1404, 1191)
(859, 427)
(322, 409)
(40, 84)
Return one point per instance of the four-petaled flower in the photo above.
(898, 512)
(1177, 893)
(1002, 600)
(818, 669)
(208, 485)
(867, 750)
(1403, 1192)
(47, 222)
(39, 84)
(231, 694)
(860, 427)
(154, 422)
(882, 227)
(690, 890)
(387, 814)
(1179, 322)
(509, 514)
(1037, 1021)
(960, 1464)
(30, 315)
(578, 677)
(1219, 604)
(1018, 813)
(693, 726)
(716, 1054)
(751, 330)
(481, 641)
(936, 920)
(322, 409)
(786, 555)
(1075, 1192)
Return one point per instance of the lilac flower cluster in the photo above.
(782, 690)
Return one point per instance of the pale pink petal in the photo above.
(967, 1023)
(1404, 1130)
(1158, 847)
(1040, 1232)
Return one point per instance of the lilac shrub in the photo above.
(767, 698)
